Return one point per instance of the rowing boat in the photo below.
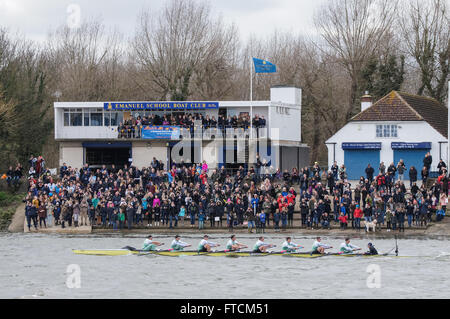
(171, 253)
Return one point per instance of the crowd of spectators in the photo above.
(195, 196)
(384, 198)
(36, 168)
(13, 175)
(131, 128)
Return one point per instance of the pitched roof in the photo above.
(401, 106)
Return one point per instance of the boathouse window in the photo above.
(387, 131)
(73, 117)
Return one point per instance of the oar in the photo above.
(296, 248)
(213, 252)
(396, 246)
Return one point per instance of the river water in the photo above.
(36, 266)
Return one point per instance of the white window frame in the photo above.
(387, 131)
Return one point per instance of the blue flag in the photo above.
(262, 66)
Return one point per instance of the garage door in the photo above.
(411, 158)
(356, 162)
(107, 153)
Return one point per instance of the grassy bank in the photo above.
(8, 205)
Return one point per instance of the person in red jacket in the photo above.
(381, 182)
(290, 198)
(343, 221)
(358, 213)
(204, 178)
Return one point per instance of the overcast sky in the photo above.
(35, 18)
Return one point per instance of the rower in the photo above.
(289, 246)
(150, 245)
(261, 246)
(347, 248)
(233, 245)
(205, 245)
(372, 250)
(178, 245)
(318, 247)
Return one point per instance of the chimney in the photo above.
(366, 101)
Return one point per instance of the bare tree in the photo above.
(177, 48)
(354, 30)
(86, 63)
(426, 32)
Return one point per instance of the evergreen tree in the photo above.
(24, 102)
(383, 75)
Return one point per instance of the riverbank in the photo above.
(18, 223)
(433, 230)
(9, 202)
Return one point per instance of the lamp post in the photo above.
(57, 95)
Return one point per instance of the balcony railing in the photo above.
(194, 132)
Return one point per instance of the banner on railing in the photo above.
(160, 132)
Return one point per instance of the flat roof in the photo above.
(97, 105)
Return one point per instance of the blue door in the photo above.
(356, 162)
(411, 157)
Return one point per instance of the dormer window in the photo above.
(387, 131)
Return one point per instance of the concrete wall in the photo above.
(210, 153)
(144, 151)
(408, 132)
(285, 113)
(71, 153)
(304, 158)
(294, 157)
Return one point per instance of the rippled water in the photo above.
(34, 266)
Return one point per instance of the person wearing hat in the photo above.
(372, 250)
(150, 245)
(233, 245)
(178, 245)
(205, 245)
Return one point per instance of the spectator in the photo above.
(427, 161)
(401, 170)
(412, 175)
(343, 221)
(382, 168)
(369, 173)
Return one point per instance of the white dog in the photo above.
(371, 225)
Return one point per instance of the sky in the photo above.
(34, 19)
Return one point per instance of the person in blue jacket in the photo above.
(31, 215)
(440, 214)
(262, 219)
(255, 202)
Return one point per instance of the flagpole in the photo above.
(448, 129)
(251, 99)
